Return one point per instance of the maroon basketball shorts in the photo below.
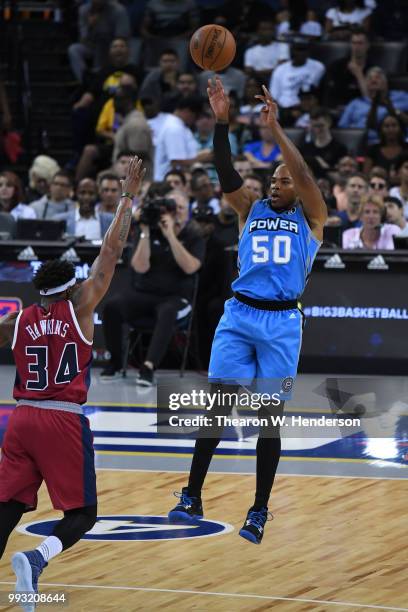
(51, 445)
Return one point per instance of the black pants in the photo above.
(133, 306)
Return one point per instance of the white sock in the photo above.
(51, 547)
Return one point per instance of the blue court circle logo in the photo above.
(135, 527)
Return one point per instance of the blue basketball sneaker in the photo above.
(189, 509)
(254, 525)
(27, 567)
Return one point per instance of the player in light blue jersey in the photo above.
(259, 335)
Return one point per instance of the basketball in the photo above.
(212, 47)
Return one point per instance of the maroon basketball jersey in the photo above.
(52, 356)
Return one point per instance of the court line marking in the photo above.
(253, 457)
(279, 474)
(218, 594)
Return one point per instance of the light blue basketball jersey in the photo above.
(276, 253)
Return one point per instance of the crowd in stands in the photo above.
(138, 92)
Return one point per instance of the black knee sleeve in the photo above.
(75, 524)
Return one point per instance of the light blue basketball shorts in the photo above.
(256, 345)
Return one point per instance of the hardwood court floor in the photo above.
(332, 540)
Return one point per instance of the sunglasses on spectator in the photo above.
(378, 185)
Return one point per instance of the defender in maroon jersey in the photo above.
(48, 437)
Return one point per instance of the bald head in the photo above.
(87, 193)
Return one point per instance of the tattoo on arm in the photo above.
(124, 229)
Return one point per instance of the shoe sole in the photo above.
(247, 535)
(143, 383)
(108, 379)
(176, 516)
(24, 575)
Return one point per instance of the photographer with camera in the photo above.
(168, 252)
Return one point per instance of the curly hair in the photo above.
(53, 273)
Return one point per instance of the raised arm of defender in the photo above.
(305, 186)
(91, 292)
(238, 196)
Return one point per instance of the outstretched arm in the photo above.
(238, 196)
(91, 292)
(7, 324)
(305, 186)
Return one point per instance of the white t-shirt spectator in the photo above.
(266, 57)
(175, 141)
(156, 125)
(89, 228)
(308, 28)
(395, 192)
(287, 80)
(356, 17)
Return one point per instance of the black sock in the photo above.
(268, 450)
(10, 514)
(205, 446)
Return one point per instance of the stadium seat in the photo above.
(328, 52)
(390, 56)
(296, 135)
(351, 138)
(7, 226)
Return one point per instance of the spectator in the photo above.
(204, 134)
(250, 108)
(392, 146)
(288, 78)
(176, 144)
(177, 181)
(99, 22)
(59, 200)
(203, 192)
(345, 76)
(164, 262)
(102, 87)
(377, 185)
(343, 18)
(325, 185)
(233, 80)
(11, 196)
(356, 189)
(299, 19)
(106, 80)
(40, 176)
(134, 133)
(243, 166)
(373, 233)
(170, 23)
(378, 103)
(186, 86)
(309, 102)
(243, 129)
(121, 163)
(109, 193)
(256, 185)
(322, 152)
(109, 119)
(84, 221)
(346, 168)
(161, 82)
(264, 56)
(264, 151)
(401, 191)
(395, 214)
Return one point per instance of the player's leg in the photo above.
(10, 515)
(232, 361)
(278, 348)
(61, 446)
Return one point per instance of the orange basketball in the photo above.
(212, 47)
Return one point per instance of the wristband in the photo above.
(126, 194)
